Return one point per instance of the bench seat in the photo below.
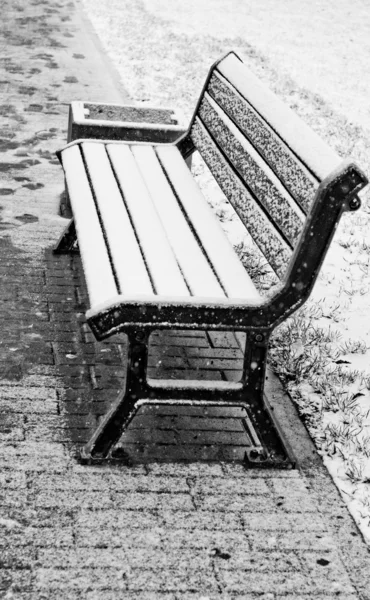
(145, 230)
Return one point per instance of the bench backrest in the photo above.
(266, 160)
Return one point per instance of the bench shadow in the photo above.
(91, 374)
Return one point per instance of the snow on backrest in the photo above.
(253, 145)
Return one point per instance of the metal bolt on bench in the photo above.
(155, 257)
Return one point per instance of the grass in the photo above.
(304, 353)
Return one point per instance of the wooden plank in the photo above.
(313, 151)
(128, 263)
(262, 231)
(95, 259)
(196, 269)
(286, 165)
(164, 271)
(230, 272)
(260, 179)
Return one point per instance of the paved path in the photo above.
(166, 531)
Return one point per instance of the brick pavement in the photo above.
(168, 531)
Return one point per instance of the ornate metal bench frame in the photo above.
(335, 194)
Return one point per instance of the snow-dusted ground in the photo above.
(316, 56)
(323, 46)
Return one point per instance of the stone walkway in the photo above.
(171, 531)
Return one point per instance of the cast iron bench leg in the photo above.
(250, 395)
(67, 240)
(116, 420)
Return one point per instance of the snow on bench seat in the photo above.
(132, 276)
(144, 228)
(95, 258)
(227, 266)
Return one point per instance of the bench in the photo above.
(155, 256)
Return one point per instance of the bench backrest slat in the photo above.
(257, 147)
(265, 235)
(261, 181)
(318, 157)
(294, 175)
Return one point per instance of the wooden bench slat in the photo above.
(193, 263)
(163, 268)
(229, 270)
(95, 259)
(125, 253)
(285, 164)
(259, 178)
(264, 234)
(312, 150)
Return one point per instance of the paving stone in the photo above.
(100, 480)
(263, 562)
(30, 407)
(254, 504)
(17, 559)
(201, 520)
(240, 472)
(82, 558)
(82, 579)
(129, 537)
(11, 579)
(116, 594)
(223, 339)
(293, 522)
(114, 470)
(201, 581)
(296, 502)
(14, 498)
(190, 422)
(39, 537)
(218, 485)
(223, 541)
(146, 519)
(336, 594)
(186, 470)
(290, 540)
(285, 582)
(10, 479)
(72, 499)
(148, 501)
(295, 487)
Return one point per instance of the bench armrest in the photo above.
(121, 312)
(336, 194)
